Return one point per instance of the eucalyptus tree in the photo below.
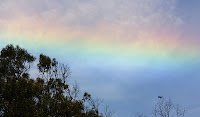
(48, 95)
(15, 62)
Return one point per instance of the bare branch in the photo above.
(166, 108)
(107, 112)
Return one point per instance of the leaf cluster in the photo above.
(40, 97)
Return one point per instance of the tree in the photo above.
(44, 66)
(49, 68)
(107, 112)
(139, 115)
(166, 108)
(49, 95)
(15, 62)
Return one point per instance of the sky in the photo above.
(126, 52)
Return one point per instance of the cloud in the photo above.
(125, 15)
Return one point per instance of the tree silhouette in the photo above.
(15, 62)
(166, 108)
(47, 96)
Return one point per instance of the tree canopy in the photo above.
(14, 62)
(47, 95)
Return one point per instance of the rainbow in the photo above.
(105, 43)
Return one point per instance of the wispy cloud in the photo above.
(133, 16)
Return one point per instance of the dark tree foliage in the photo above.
(15, 62)
(21, 96)
(44, 64)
